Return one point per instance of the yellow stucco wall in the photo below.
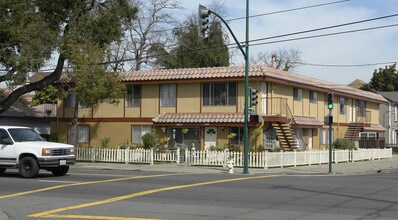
(150, 100)
(109, 111)
(188, 97)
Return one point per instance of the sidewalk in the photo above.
(362, 167)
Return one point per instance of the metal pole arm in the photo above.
(232, 33)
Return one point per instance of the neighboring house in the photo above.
(201, 107)
(389, 117)
(37, 117)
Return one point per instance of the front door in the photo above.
(7, 154)
(309, 139)
(210, 137)
(264, 98)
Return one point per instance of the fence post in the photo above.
(126, 155)
(226, 157)
(151, 156)
(187, 157)
(93, 154)
(266, 159)
(295, 157)
(309, 157)
(178, 155)
(282, 160)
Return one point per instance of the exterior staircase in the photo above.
(285, 136)
(353, 130)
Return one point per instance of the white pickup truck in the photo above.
(26, 150)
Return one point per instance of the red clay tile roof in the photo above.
(374, 127)
(199, 118)
(239, 71)
(236, 72)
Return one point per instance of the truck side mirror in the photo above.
(7, 141)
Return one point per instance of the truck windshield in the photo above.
(24, 134)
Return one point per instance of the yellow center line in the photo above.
(52, 213)
(86, 183)
(96, 217)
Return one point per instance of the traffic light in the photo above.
(328, 120)
(253, 97)
(203, 20)
(254, 119)
(330, 100)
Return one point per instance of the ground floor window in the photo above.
(367, 135)
(237, 139)
(83, 134)
(138, 132)
(183, 136)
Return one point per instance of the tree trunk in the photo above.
(73, 128)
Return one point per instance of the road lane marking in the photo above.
(57, 181)
(97, 217)
(87, 183)
(52, 213)
(98, 174)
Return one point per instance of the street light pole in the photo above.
(204, 11)
(246, 128)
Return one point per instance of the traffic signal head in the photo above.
(330, 100)
(254, 119)
(253, 97)
(203, 20)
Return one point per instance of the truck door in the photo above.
(7, 152)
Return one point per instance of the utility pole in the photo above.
(203, 14)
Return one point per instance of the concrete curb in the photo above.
(3, 216)
(349, 168)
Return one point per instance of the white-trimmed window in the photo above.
(367, 135)
(167, 95)
(219, 94)
(297, 94)
(342, 105)
(83, 134)
(313, 96)
(138, 132)
(133, 95)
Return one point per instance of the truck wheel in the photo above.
(28, 167)
(60, 171)
(2, 170)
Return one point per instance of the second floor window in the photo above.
(342, 104)
(297, 94)
(167, 95)
(361, 108)
(133, 95)
(313, 97)
(219, 94)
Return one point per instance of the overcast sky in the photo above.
(375, 46)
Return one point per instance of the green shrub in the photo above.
(149, 140)
(105, 142)
(53, 137)
(343, 144)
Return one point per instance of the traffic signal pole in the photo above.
(330, 144)
(246, 56)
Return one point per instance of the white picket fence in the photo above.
(220, 158)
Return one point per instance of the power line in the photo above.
(328, 27)
(265, 14)
(325, 35)
(289, 10)
(344, 65)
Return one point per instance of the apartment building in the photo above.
(203, 107)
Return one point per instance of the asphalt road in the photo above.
(128, 194)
